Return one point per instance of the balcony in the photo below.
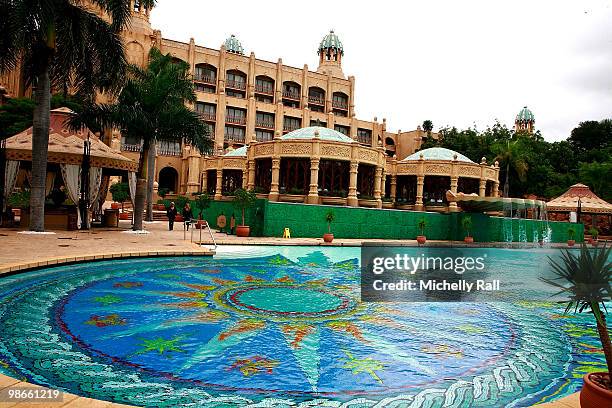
(290, 128)
(264, 124)
(130, 148)
(316, 100)
(264, 89)
(207, 79)
(291, 95)
(239, 85)
(340, 105)
(236, 120)
(207, 116)
(169, 151)
(234, 139)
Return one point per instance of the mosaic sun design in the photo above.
(275, 331)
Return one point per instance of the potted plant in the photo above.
(571, 232)
(594, 232)
(243, 199)
(421, 225)
(586, 280)
(466, 223)
(329, 218)
(120, 193)
(202, 202)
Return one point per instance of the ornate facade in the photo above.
(250, 101)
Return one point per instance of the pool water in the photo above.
(281, 326)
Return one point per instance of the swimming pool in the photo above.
(280, 326)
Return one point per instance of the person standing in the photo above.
(187, 214)
(171, 213)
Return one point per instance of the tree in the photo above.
(61, 44)
(592, 140)
(151, 107)
(428, 126)
(597, 176)
(16, 114)
(512, 155)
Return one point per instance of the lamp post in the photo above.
(2, 179)
(578, 210)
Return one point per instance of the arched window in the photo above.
(340, 100)
(264, 84)
(235, 84)
(316, 99)
(205, 73)
(291, 94)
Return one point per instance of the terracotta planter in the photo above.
(243, 231)
(593, 395)
(594, 242)
(179, 218)
(468, 240)
(115, 206)
(124, 216)
(328, 238)
(571, 242)
(198, 225)
(421, 239)
(160, 207)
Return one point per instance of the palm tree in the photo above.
(61, 44)
(585, 279)
(428, 126)
(151, 107)
(511, 154)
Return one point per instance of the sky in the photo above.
(460, 63)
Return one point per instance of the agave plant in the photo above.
(586, 280)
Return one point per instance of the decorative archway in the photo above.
(168, 179)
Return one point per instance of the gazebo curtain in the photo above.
(10, 177)
(132, 185)
(71, 173)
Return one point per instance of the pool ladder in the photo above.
(212, 237)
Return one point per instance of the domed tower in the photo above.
(232, 44)
(524, 121)
(330, 55)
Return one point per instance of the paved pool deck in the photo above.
(20, 252)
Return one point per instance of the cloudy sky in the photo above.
(456, 62)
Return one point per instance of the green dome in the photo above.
(239, 152)
(232, 44)
(438, 153)
(331, 40)
(525, 115)
(324, 134)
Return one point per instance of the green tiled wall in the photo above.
(361, 223)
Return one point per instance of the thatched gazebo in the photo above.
(65, 157)
(580, 202)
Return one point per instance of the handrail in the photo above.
(201, 228)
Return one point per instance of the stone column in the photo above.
(482, 187)
(453, 206)
(273, 196)
(219, 186)
(313, 193)
(204, 180)
(193, 162)
(250, 175)
(377, 188)
(352, 192)
(496, 189)
(418, 205)
(393, 193)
